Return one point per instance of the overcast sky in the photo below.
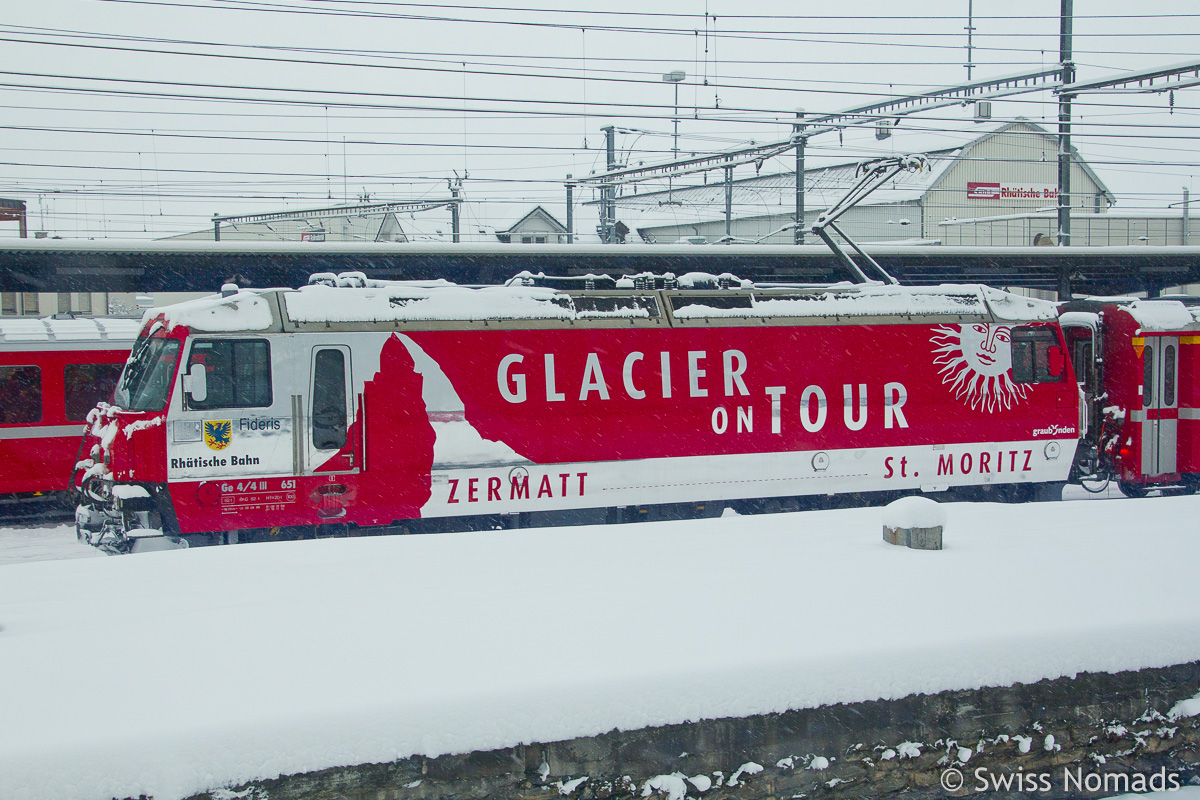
(143, 118)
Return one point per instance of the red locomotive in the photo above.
(1139, 364)
(351, 403)
(53, 371)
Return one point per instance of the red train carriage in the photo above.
(1141, 359)
(278, 411)
(52, 373)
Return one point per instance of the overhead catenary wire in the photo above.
(263, 121)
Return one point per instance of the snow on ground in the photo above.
(22, 545)
(168, 673)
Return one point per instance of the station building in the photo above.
(1000, 189)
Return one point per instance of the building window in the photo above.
(85, 302)
(64, 303)
(8, 302)
(29, 303)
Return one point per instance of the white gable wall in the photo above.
(1019, 157)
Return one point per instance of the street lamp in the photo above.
(675, 77)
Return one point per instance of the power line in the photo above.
(795, 37)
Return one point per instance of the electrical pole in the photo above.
(801, 141)
(570, 210)
(1064, 126)
(728, 201)
(454, 222)
(970, 30)
(1185, 232)
(675, 77)
(608, 191)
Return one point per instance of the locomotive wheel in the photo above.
(1132, 489)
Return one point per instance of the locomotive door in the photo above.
(231, 421)
(1160, 401)
(330, 444)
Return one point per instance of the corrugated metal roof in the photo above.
(77, 329)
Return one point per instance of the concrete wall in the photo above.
(1080, 728)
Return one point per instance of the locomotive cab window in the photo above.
(1037, 356)
(20, 395)
(237, 373)
(146, 380)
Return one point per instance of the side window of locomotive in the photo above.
(1037, 356)
(329, 400)
(86, 385)
(1169, 375)
(1148, 376)
(237, 373)
(1081, 360)
(20, 395)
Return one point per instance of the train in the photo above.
(1138, 363)
(353, 405)
(53, 372)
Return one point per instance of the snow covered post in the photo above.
(915, 522)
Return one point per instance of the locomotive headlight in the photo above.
(1052, 450)
(820, 462)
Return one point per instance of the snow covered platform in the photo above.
(172, 673)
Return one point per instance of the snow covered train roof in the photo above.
(414, 302)
(122, 330)
(1153, 315)
(1164, 315)
(880, 300)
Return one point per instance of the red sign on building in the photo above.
(983, 191)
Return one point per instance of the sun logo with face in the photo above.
(976, 361)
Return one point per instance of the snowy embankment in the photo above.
(169, 673)
(28, 544)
